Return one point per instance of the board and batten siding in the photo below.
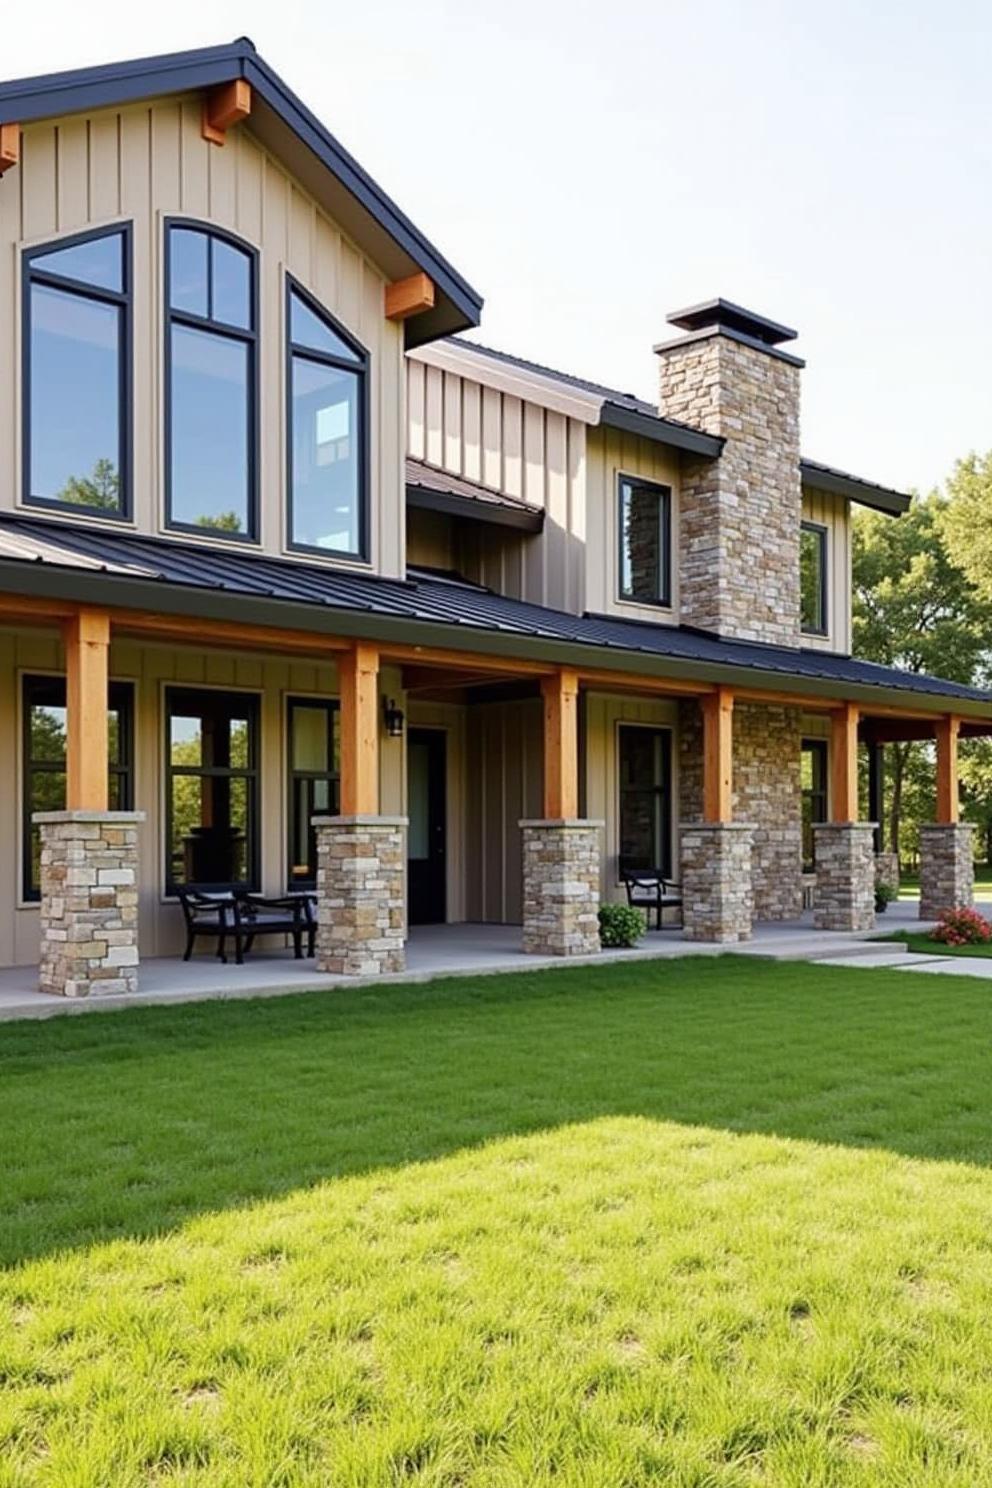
(140, 164)
(611, 454)
(834, 513)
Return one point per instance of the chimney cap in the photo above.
(721, 314)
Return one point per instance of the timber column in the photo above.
(89, 855)
(844, 896)
(717, 890)
(947, 861)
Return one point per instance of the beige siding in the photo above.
(833, 513)
(430, 539)
(503, 786)
(141, 164)
(611, 454)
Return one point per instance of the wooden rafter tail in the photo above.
(10, 146)
(223, 107)
(408, 297)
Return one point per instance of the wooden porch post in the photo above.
(718, 747)
(844, 763)
(561, 745)
(358, 672)
(87, 646)
(947, 732)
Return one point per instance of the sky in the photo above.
(590, 168)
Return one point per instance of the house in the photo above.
(302, 590)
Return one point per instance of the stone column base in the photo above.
(717, 892)
(887, 869)
(361, 894)
(947, 868)
(844, 897)
(89, 901)
(561, 887)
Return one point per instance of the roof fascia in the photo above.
(660, 430)
(892, 503)
(545, 392)
(494, 513)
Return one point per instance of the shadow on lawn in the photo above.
(127, 1123)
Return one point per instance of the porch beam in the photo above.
(844, 763)
(227, 633)
(561, 745)
(86, 638)
(947, 732)
(718, 755)
(358, 678)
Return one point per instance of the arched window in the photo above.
(77, 373)
(327, 419)
(211, 399)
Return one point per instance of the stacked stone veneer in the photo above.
(947, 868)
(361, 894)
(887, 870)
(844, 896)
(561, 871)
(89, 902)
(717, 900)
(739, 515)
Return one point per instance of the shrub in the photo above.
(958, 927)
(885, 893)
(620, 925)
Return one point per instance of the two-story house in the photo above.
(301, 591)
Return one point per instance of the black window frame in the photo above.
(665, 790)
(125, 371)
(208, 326)
(664, 493)
(822, 534)
(251, 702)
(820, 751)
(362, 372)
(330, 706)
(120, 696)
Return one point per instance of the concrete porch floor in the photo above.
(459, 950)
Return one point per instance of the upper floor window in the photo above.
(77, 330)
(327, 416)
(645, 530)
(813, 579)
(211, 392)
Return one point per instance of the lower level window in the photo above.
(313, 750)
(44, 711)
(211, 789)
(645, 756)
(813, 776)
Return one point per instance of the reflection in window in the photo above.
(76, 374)
(645, 768)
(327, 434)
(813, 579)
(314, 765)
(44, 760)
(813, 781)
(211, 399)
(212, 783)
(645, 542)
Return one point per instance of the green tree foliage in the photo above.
(968, 520)
(228, 521)
(101, 490)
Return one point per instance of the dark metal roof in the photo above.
(88, 88)
(76, 561)
(865, 492)
(728, 316)
(433, 489)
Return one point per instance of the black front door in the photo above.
(426, 773)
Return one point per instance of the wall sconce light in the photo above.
(394, 719)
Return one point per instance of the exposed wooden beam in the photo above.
(10, 146)
(844, 763)
(718, 755)
(406, 297)
(464, 661)
(358, 685)
(226, 633)
(561, 745)
(87, 646)
(223, 107)
(948, 809)
(605, 681)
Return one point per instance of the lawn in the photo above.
(711, 1223)
(921, 944)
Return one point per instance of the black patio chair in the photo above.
(648, 889)
(241, 917)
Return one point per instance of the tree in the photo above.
(101, 490)
(967, 520)
(228, 521)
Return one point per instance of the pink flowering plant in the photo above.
(958, 927)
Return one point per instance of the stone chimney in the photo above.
(739, 514)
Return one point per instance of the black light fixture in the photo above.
(394, 719)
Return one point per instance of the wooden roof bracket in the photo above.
(223, 107)
(408, 297)
(10, 146)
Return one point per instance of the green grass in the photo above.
(705, 1223)
(921, 944)
(909, 883)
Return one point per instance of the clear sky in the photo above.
(590, 167)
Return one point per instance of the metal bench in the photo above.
(648, 889)
(242, 917)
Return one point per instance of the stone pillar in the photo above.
(89, 902)
(717, 895)
(947, 868)
(887, 869)
(844, 896)
(561, 887)
(361, 894)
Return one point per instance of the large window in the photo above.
(211, 395)
(76, 343)
(645, 756)
(645, 519)
(211, 789)
(313, 749)
(813, 776)
(327, 418)
(813, 578)
(44, 718)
